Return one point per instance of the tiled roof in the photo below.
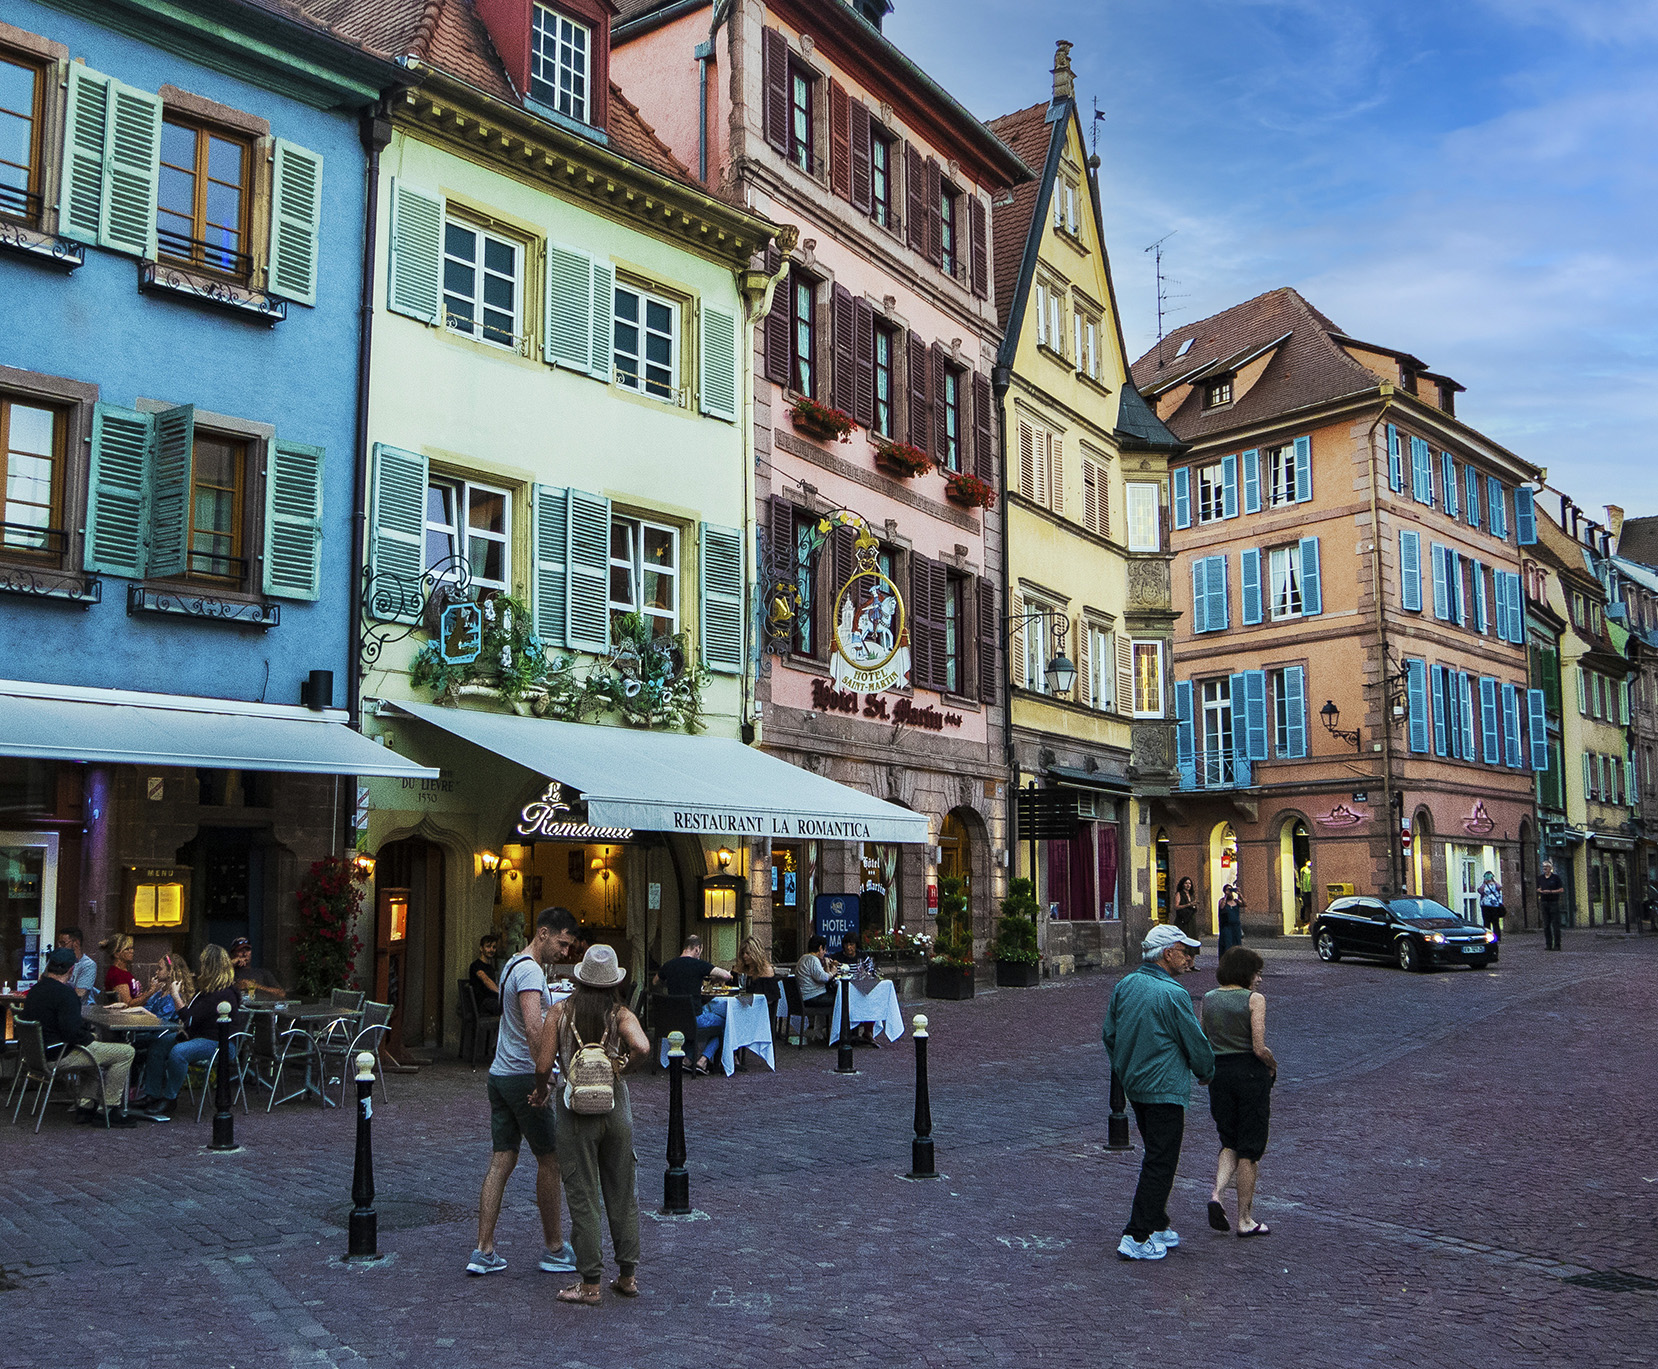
(1638, 540)
(632, 136)
(635, 9)
(1028, 133)
(1307, 366)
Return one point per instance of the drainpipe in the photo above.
(1396, 858)
(1000, 378)
(704, 53)
(375, 132)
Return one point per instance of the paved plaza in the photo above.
(1449, 1153)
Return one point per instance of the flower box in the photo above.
(969, 491)
(1018, 974)
(820, 421)
(901, 460)
(949, 981)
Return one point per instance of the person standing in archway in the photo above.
(1304, 895)
(1231, 918)
(1491, 905)
(1185, 906)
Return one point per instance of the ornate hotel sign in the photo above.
(871, 649)
(550, 818)
(460, 633)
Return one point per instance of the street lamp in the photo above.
(1061, 671)
(1330, 715)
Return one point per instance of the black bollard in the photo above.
(224, 1120)
(843, 1061)
(365, 1224)
(676, 1181)
(921, 1149)
(1116, 1133)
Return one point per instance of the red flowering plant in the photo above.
(325, 946)
(820, 421)
(901, 459)
(969, 490)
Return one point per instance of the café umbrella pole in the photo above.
(364, 1226)
(843, 1061)
(921, 1149)
(224, 1118)
(676, 1181)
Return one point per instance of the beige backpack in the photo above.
(590, 1080)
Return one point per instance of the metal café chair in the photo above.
(336, 1052)
(272, 1052)
(349, 999)
(37, 1065)
(240, 1045)
(797, 1006)
(477, 1030)
(670, 1013)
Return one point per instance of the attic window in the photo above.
(1217, 393)
(1185, 347)
(560, 59)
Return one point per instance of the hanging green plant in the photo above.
(512, 660)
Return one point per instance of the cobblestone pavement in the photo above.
(1448, 1151)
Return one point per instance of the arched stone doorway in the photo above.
(1165, 888)
(1223, 868)
(1420, 873)
(1294, 851)
(964, 851)
(416, 982)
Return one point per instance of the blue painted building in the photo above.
(181, 242)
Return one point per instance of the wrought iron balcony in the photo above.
(1222, 768)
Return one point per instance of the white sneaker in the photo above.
(1130, 1249)
(1168, 1237)
(482, 1263)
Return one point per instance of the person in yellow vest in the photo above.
(1304, 894)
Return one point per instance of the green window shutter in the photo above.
(171, 455)
(587, 617)
(719, 363)
(550, 573)
(118, 486)
(397, 534)
(415, 287)
(84, 137)
(132, 171)
(293, 521)
(296, 222)
(569, 308)
(722, 599)
(604, 310)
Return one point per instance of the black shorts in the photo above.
(1240, 1100)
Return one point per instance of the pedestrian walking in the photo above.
(1491, 905)
(1551, 893)
(1185, 906)
(1231, 918)
(1240, 1095)
(1156, 1046)
(515, 1115)
(596, 1038)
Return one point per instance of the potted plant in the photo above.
(1018, 962)
(968, 491)
(329, 900)
(950, 970)
(901, 460)
(820, 421)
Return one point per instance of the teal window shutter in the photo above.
(1237, 690)
(1490, 724)
(604, 319)
(1537, 719)
(132, 171)
(1416, 692)
(1421, 472)
(1588, 778)
(1496, 507)
(1441, 583)
(587, 588)
(416, 284)
(296, 222)
(1200, 594)
(85, 136)
(1312, 585)
(1482, 621)
(1182, 496)
(718, 372)
(1516, 610)
(1219, 599)
(1410, 571)
(1453, 563)
(1448, 477)
(1293, 744)
(550, 573)
(397, 534)
(1249, 579)
(1229, 486)
(1395, 463)
(722, 599)
(1252, 481)
(569, 308)
(1511, 727)
(1255, 714)
(1436, 687)
(172, 455)
(118, 490)
(1303, 469)
(1465, 714)
(1499, 583)
(1525, 517)
(293, 521)
(1472, 480)
(1184, 742)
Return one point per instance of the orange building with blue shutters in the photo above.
(1349, 671)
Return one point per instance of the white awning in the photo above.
(672, 782)
(124, 727)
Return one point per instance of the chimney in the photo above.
(1614, 521)
(1065, 86)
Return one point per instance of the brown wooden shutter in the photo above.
(941, 430)
(979, 254)
(1090, 496)
(984, 432)
(777, 332)
(840, 141)
(862, 136)
(935, 219)
(1016, 641)
(842, 380)
(921, 408)
(863, 362)
(988, 643)
(1027, 460)
(921, 635)
(915, 198)
(780, 553)
(774, 80)
(1125, 675)
(938, 587)
(843, 542)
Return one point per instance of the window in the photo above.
(880, 178)
(1033, 633)
(801, 83)
(1219, 392)
(1284, 567)
(1144, 522)
(886, 343)
(1211, 491)
(644, 575)
(1098, 651)
(21, 97)
(218, 471)
(949, 402)
(202, 198)
(1096, 494)
(955, 635)
(31, 478)
(1214, 739)
(1148, 679)
(463, 519)
(805, 579)
(1042, 293)
(802, 330)
(559, 50)
(1281, 486)
(481, 284)
(948, 202)
(1088, 347)
(647, 343)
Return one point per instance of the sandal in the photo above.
(1259, 1229)
(580, 1292)
(1217, 1217)
(631, 1291)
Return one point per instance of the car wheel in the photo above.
(1326, 946)
(1409, 957)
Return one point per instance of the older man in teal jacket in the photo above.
(1157, 1045)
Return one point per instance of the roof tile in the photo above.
(1028, 133)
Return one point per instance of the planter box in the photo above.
(812, 428)
(898, 470)
(949, 981)
(1018, 974)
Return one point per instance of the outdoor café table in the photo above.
(128, 1022)
(873, 1000)
(313, 1018)
(747, 1027)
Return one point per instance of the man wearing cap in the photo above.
(55, 1004)
(249, 979)
(1156, 1045)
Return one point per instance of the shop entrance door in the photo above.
(1468, 886)
(28, 903)
(417, 866)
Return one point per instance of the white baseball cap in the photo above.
(1163, 936)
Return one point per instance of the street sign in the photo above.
(1361, 796)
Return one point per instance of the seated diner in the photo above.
(170, 1060)
(682, 977)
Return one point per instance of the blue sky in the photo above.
(1474, 181)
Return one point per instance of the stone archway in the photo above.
(1223, 870)
(1419, 874)
(1292, 849)
(964, 848)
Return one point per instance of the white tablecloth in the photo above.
(746, 1025)
(875, 1002)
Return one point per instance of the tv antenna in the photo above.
(1156, 249)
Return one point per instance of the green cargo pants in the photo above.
(595, 1156)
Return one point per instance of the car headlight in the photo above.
(1490, 936)
(1438, 938)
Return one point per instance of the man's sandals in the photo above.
(589, 1297)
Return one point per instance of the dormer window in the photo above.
(560, 50)
(1217, 393)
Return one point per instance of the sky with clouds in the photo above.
(1474, 181)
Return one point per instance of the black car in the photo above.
(1416, 933)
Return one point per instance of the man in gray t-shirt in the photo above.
(525, 1001)
(83, 979)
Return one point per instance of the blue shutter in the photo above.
(296, 222)
(1252, 480)
(568, 337)
(1395, 462)
(1255, 713)
(1219, 599)
(721, 566)
(172, 458)
(1465, 685)
(1249, 578)
(1448, 474)
(1490, 724)
(1454, 564)
(1239, 691)
(1537, 717)
(1200, 596)
(1421, 472)
(550, 563)
(1517, 610)
(293, 521)
(1312, 587)
(1482, 620)
(1441, 583)
(1525, 517)
(118, 484)
(1229, 486)
(1499, 583)
(1497, 507)
(587, 587)
(397, 534)
(717, 359)
(1436, 686)
(1303, 469)
(1295, 712)
(603, 319)
(1183, 496)
(1416, 692)
(415, 255)
(1410, 571)
(1511, 727)
(1184, 749)
(1473, 482)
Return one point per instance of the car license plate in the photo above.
(1472, 950)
